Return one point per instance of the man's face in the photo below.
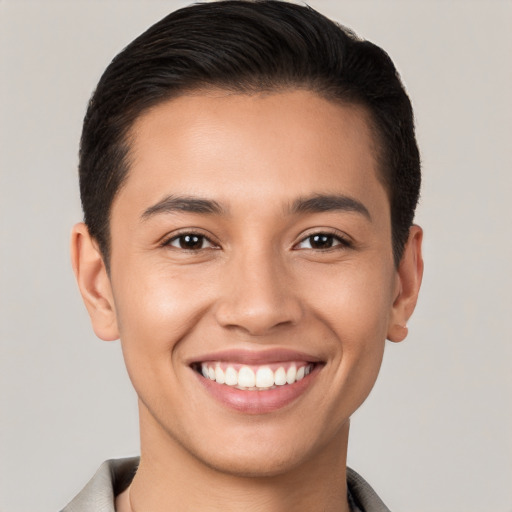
(252, 237)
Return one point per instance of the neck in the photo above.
(169, 475)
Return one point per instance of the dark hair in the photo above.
(246, 46)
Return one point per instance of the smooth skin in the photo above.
(254, 273)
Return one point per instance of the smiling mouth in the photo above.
(254, 377)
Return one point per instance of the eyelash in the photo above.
(168, 241)
(343, 241)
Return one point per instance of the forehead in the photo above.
(238, 146)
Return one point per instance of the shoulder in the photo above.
(112, 477)
(364, 497)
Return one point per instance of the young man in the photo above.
(249, 175)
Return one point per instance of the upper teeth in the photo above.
(261, 377)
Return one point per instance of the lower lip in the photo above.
(258, 402)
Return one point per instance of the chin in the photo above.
(261, 464)
(263, 451)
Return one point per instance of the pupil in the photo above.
(321, 241)
(191, 242)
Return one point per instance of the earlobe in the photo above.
(94, 283)
(409, 276)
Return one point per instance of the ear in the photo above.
(94, 283)
(409, 275)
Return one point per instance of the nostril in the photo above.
(257, 297)
(258, 321)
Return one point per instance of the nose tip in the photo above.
(256, 320)
(258, 301)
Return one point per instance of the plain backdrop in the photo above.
(436, 433)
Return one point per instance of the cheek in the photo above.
(355, 306)
(155, 311)
(354, 300)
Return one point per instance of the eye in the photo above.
(190, 242)
(323, 241)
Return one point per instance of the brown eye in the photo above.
(190, 242)
(322, 241)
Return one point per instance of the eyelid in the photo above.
(346, 242)
(166, 240)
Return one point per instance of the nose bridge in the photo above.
(257, 295)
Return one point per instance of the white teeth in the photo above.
(231, 376)
(264, 377)
(280, 377)
(219, 375)
(246, 377)
(291, 374)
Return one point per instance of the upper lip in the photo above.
(262, 356)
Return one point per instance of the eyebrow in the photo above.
(326, 203)
(173, 204)
(314, 204)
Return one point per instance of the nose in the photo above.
(258, 295)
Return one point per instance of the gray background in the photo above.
(436, 433)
